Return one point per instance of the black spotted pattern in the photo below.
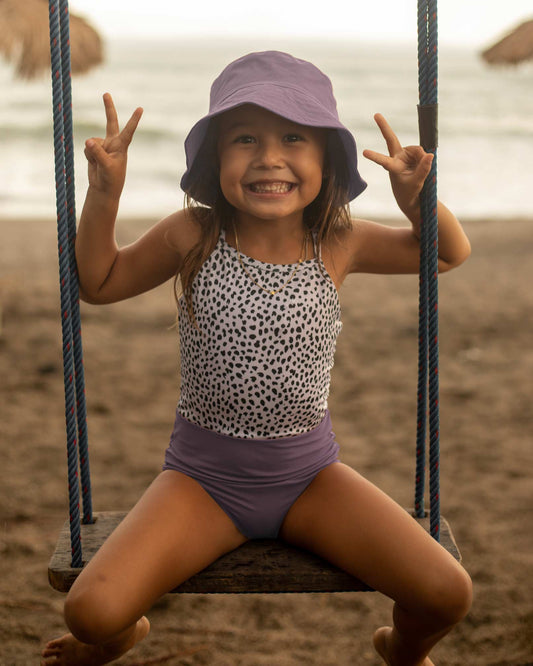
(258, 365)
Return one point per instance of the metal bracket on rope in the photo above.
(428, 126)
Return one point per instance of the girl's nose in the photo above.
(269, 155)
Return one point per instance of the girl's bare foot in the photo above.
(68, 651)
(383, 646)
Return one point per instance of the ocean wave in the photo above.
(12, 132)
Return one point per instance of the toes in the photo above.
(380, 642)
(51, 652)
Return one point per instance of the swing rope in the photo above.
(428, 335)
(75, 406)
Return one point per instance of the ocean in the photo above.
(485, 123)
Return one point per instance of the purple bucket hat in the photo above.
(287, 86)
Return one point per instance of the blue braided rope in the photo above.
(75, 410)
(64, 276)
(423, 295)
(433, 281)
(433, 349)
(81, 409)
(428, 355)
(421, 420)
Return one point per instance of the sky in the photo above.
(474, 23)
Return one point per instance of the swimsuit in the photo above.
(254, 481)
(252, 425)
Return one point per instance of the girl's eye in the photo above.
(245, 138)
(293, 138)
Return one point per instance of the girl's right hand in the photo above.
(108, 157)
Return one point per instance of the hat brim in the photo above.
(291, 103)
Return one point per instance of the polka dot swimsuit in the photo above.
(258, 365)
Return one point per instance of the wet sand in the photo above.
(131, 362)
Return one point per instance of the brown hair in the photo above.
(324, 217)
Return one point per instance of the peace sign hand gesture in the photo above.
(408, 167)
(108, 157)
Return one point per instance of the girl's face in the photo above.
(270, 167)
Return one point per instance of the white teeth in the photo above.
(270, 188)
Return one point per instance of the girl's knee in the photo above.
(442, 600)
(92, 617)
(461, 594)
(452, 596)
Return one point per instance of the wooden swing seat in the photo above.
(258, 566)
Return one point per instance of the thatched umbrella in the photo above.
(24, 38)
(515, 47)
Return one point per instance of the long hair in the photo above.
(324, 217)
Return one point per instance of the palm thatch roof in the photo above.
(514, 48)
(24, 39)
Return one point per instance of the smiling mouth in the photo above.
(277, 187)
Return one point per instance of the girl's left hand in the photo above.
(408, 166)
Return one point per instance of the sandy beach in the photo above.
(131, 363)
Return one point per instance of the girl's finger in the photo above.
(112, 127)
(129, 130)
(424, 166)
(393, 144)
(378, 158)
(95, 152)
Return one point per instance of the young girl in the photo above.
(252, 453)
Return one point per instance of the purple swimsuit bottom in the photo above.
(255, 481)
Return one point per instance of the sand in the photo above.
(131, 373)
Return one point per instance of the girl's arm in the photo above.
(108, 273)
(376, 248)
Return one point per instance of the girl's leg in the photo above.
(175, 530)
(351, 523)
